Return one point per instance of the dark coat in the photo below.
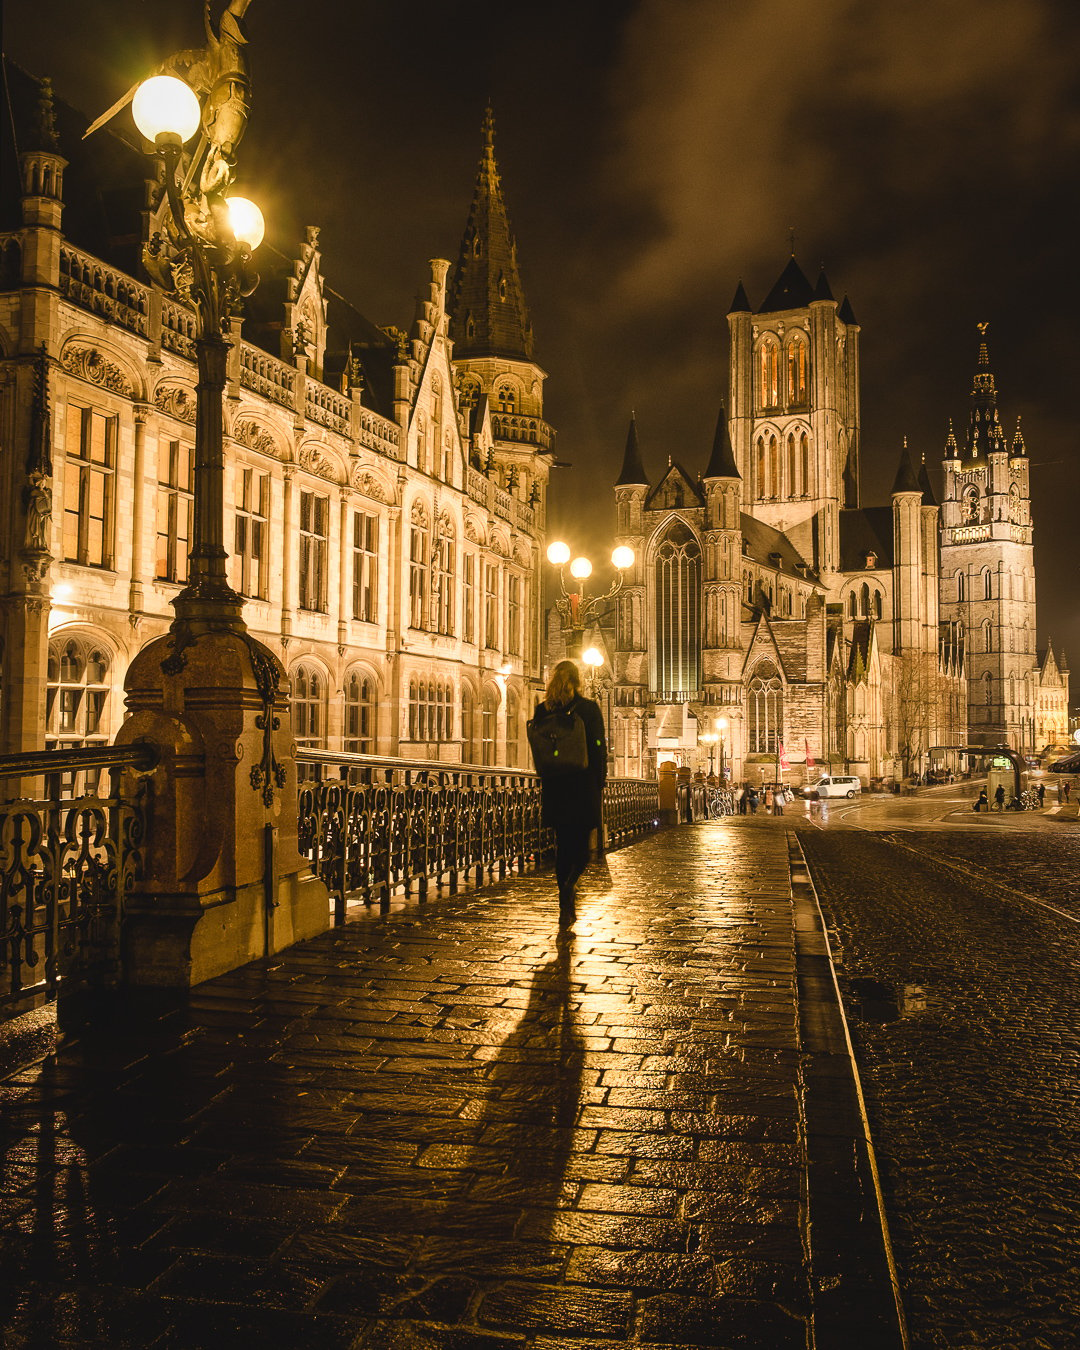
(575, 798)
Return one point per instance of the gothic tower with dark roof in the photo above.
(988, 566)
(492, 336)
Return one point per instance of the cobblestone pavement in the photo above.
(965, 1007)
(444, 1129)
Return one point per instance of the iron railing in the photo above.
(66, 865)
(371, 827)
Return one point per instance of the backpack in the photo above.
(558, 743)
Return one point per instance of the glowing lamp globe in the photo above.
(164, 106)
(581, 568)
(622, 558)
(592, 657)
(246, 222)
(558, 553)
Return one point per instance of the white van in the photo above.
(836, 785)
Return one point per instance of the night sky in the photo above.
(653, 154)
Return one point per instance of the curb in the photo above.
(855, 1290)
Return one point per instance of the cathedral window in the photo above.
(759, 470)
(988, 688)
(988, 635)
(1014, 504)
(77, 694)
(469, 393)
(176, 487)
(960, 586)
(877, 605)
(470, 328)
(250, 563)
(853, 606)
(864, 601)
(89, 484)
(309, 706)
(764, 710)
(314, 544)
(360, 714)
(748, 587)
(506, 398)
(773, 488)
(502, 288)
(678, 611)
(421, 443)
(365, 567)
(792, 469)
(476, 246)
(988, 585)
(769, 358)
(804, 448)
(797, 370)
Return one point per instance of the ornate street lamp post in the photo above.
(721, 727)
(710, 738)
(575, 608)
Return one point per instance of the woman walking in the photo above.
(566, 735)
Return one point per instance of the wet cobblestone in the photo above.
(973, 1074)
(446, 1128)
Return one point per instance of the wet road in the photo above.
(958, 948)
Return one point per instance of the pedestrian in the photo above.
(1065, 789)
(778, 800)
(566, 736)
(999, 798)
(753, 795)
(770, 800)
(982, 802)
(1040, 788)
(742, 799)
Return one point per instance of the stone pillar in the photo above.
(223, 882)
(669, 806)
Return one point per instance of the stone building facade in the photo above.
(385, 490)
(815, 631)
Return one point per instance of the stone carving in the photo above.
(89, 364)
(446, 525)
(313, 459)
(419, 515)
(38, 512)
(474, 531)
(175, 401)
(369, 485)
(255, 437)
(500, 545)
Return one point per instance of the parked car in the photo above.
(834, 785)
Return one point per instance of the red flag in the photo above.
(809, 757)
(782, 756)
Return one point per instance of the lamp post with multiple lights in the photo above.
(576, 609)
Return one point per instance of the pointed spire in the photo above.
(722, 460)
(846, 314)
(1019, 449)
(42, 131)
(488, 316)
(633, 470)
(905, 474)
(740, 303)
(822, 291)
(985, 436)
(928, 498)
(952, 450)
(792, 290)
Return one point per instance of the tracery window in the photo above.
(468, 597)
(77, 694)
(773, 488)
(760, 491)
(491, 606)
(360, 714)
(678, 611)
(797, 371)
(309, 706)
(988, 585)
(506, 398)
(769, 367)
(764, 710)
(804, 448)
(792, 474)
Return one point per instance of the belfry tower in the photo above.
(988, 567)
(493, 340)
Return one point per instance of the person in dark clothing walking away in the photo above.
(999, 798)
(566, 736)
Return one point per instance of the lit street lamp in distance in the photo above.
(576, 609)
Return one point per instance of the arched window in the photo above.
(513, 728)
(764, 710)
(864, 601)
(988, 585)
(792, 468)
(360, 714)
(877, 605)
(678, 611)
(804, 447)
(759, 469)
(468, 725)
(506, 398)
(309, 706)
(960, 586)
(853, 606)
(988, 635)
(797, 370)
(442, 579)
(774, 469)
(489, 721)
(77, 694)
(770, 374)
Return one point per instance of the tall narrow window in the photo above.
(804, 447)
(468, 597)
(770, 375)
(988, 586)
(678, 611)
(77, 694)
(468, 725)
(314, 542)
(797, 371)
(421, 443)
(764, 710)
(513, 614)
(365, 567)
(442, 580)
(489, 720)
(418, 576)
(792, 489)
(759, 469)
(308, 706)
(774, 469)
(960, 586)
(176, 486)
(491, 606)
(250, 563)
(513, 727)
(89, 485)
(359, 731)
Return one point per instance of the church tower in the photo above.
(493, 339)
(988, 568)
(795, 411)
(722, 655)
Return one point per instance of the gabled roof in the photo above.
(633, 470)
(676, 490)
(864, 530)
(722, 460)
(766, 546)
(487, 304)
(792, 290)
